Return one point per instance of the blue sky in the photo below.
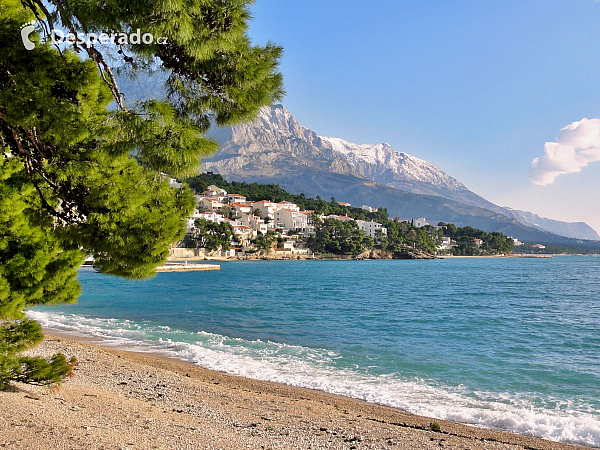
(475, 87)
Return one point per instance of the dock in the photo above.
(185, 267)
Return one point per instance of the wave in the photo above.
(325, 370)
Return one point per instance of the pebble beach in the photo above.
(118, 399)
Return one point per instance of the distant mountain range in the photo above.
(383, 164)
(275, 148)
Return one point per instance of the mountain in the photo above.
(378, 162)
(275, 148)
(579, 230)
(381, 163)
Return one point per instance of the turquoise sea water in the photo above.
(511, 344)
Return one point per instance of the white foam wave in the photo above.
(314, 369)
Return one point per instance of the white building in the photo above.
(447, 244)
(212, 204)
(288, 248)
(173, 183)
(217, 190)
(233, 223)
(371, 228)
(243, 232)
(516, 242)
(288, 205)
(369, 208)
(240, 210)
(208, 193)
(235, 198)
(254, 222)
(336, 217)
(294, 221)
(266, 208)
(233, 251)
(421, 222)
(213, 192)
(210, 216)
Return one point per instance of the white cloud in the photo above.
(576, 146)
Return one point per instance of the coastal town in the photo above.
(282, 229)
(250, 219)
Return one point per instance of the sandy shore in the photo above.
(120, 399)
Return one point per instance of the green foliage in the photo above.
(265, 241)
(339, 237)
(214, 69)
(381, 240)
(35, 266)
(17, 336)
(493, 243)
(227, 212)
(58, 132)
(396, 235)
(425, 240)
(212, 235)
(256, 192)
(402, 235)
(434, 426)
(81, 176)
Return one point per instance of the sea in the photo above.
(504, 343)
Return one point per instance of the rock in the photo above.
(409, 253)
(375, 254)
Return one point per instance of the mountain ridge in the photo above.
(275, 148)
(150, 86)
(406, 172)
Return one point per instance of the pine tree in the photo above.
(213, 236)
(81, 168)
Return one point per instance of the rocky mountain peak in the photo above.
(382, 163)
(274, 123)
(276, 148)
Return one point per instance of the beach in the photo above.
(119, 399)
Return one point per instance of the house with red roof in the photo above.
(235, 198)
(240, 209)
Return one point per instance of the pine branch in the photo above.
(95, 55)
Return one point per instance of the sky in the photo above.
(500, 95)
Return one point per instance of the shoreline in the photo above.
(354, 258)
(336, 258)
(152, 400)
